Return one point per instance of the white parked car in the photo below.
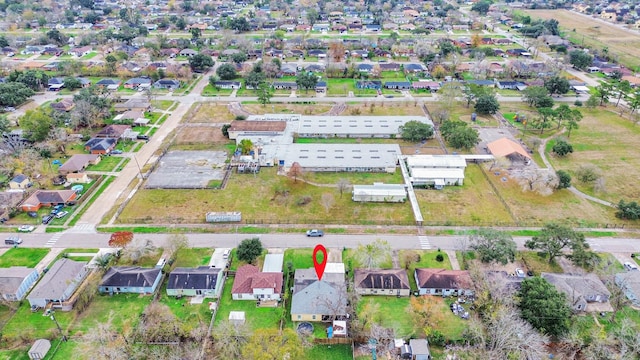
(520, 273)
(630, 266)
(61, 214)
(26, 228)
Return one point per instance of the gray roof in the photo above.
(419, 347)
(19, 178)
(630, 284)
(11, 278)
(320, 156)
(577, 286)
(321, 298)
(130, 276)
(203, 277)
(273, 263)
(57, 279)
(305, 277)
(355, 125)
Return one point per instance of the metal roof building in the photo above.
(355, 126)
(436, 161)
(334, 157)
(437, 177)
(379, 193)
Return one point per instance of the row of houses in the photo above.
(137, 83)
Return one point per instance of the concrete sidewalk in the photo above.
(46, 261)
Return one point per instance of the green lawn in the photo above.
(427, 260)
(211, 91)
(538, 264)
(29, 325)
(29, 257)
(256, 318)
(107, 163)
(66, 253)
(123, 309)
(300, 258)
(193, 257)
(351, 263)
(325, 352)
(162, 104)
(393, 312)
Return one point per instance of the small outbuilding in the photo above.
(420, 349)
(39, 349)
(379, 192)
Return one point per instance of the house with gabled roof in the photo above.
(19, 182)
(580, 289)
(444, 282)
(202, 281)
(382, 282)
(133, 104)
(100, 146)
(130, 279)
(78, 163)
(42, 198)
(64, 105)
(113, 131)
(319, 301)
(136, 82)
(59, 284)
(252, 284)
(16, 281)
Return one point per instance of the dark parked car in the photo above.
(32, 214)
(47, 219)
(143, 137)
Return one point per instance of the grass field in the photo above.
(427, 260)
(536, 263)
(123, 309)
(583, 30)
(256, 318)
(380, 109)
(604, 140)
(333, 352)
(29, 257)
(107, 163)
(193, 257)
(209, 113)
(281, 108)
(259, 205)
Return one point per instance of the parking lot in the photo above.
(187, 170)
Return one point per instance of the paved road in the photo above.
(397, 242)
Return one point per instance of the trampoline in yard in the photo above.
(305, 328)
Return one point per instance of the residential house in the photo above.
(369, 84)
(100, 145)
(84, 82)
(59, 284)
(55, 84)
(19, 182)
(397, 85)
(389, 66)
(137, 82)
(289, 70)
(629, 282)
(319, 301)
(432, 86)
(224, 84)
(78, 163)
(133, 104)
(114, 131)
(169, 84)
(16, 281)
(285, 85)
(42, 198)
(382, 282)
(131, 116)
(130, 279)
(508, 85)
(419, 349)
(251, 284)
(580, 289)
(201, 281)
(170, 53)
(188, 52)
(413, 68)
(80, 51)
(64, 105)
(443, 282)
(320, 54)
(321, 86)
(109, 84)
(365, 68)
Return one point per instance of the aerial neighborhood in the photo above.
(422, 180)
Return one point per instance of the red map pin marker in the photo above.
(319, 266)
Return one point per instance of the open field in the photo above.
(462, 113)
(199, 135)
(28, 257)
(257, 318)
(374, 108)
(208, 113)
(278, 108)
(604, 139)
(582, 30)
(260, 204)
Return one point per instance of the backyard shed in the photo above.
(39, 349)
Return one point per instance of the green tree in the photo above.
(196, 33)
(306, 80)
(3, 41)
(494, 245)
(37, 124)
(603, 92)
(567, 116)
(265, 93)
(312, 16)
(181, 23)
(544, 307)
(254, 79)
(481, 7)
(245, 146)
(226, 72)
(543, 121)
(14, 93)
(249, 250)
(564, 179)
(450, 126)
(557, 85)
(240, 24)
(562, 148)
(622, 88)
(415, 131)
(239, 58)
(554, 239)
(200, 62)
(628, 210)
(464, 137)
(72, 83)
(57, 37)
(537, 96)
(580, 59)
(487, 104)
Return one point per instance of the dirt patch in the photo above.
(311, 109)
(200, 135)
(374, 108)
(207, 113)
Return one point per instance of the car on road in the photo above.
(61, 214)
(630, 266)
(47, 219)
(315, 233)
(116, 152)
(520, 273)
(12, 240)
(26, 228)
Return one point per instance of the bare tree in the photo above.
(509, 335)
(372, 255)
(541, 181)
(103, 341)
(174, 243)
(158, 325)
(295, 171)
(327, 201)
(230, 338)
(137, 249)
(343, 185)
